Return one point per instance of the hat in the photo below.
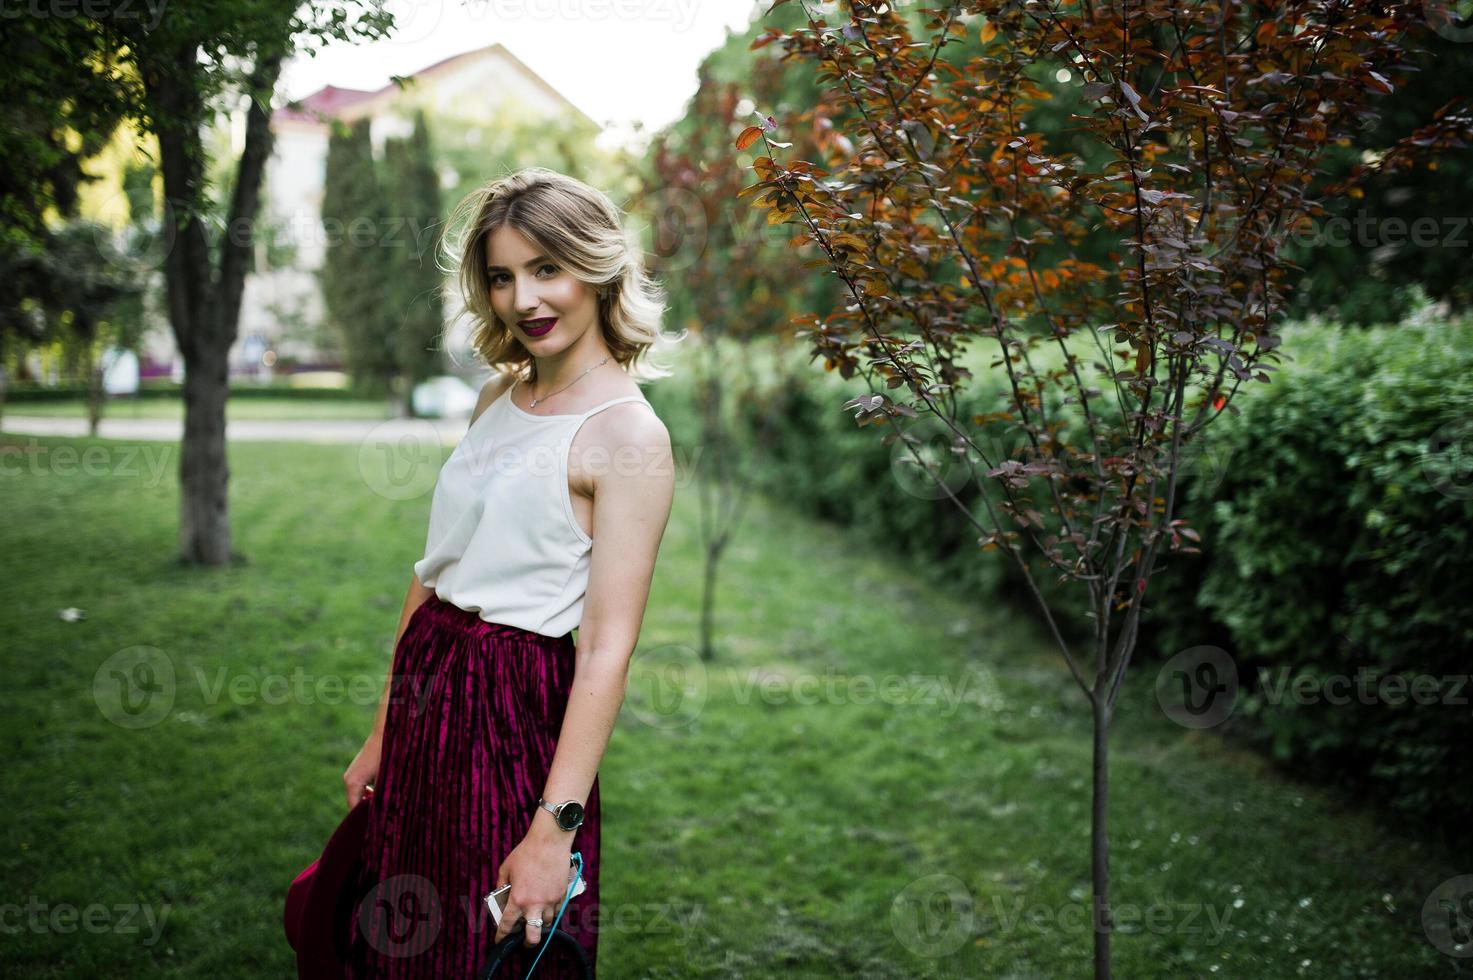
(321, 900)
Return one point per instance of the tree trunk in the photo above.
(204, 476)
(708, 602)
(95, 366)
(1100, 839)
(94, 402)
(204, 307)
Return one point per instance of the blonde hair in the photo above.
(582, 230)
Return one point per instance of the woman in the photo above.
(495, 717)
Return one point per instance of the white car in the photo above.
(444, 397)
(119, 372)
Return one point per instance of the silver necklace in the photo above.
(570, 383)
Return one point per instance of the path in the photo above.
(448, 431)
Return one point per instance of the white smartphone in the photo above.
(496, 900)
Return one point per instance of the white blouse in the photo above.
(503, 541)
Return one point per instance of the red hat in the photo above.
(322, 899)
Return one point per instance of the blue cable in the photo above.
(577, 856)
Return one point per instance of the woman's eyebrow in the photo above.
(532, 262)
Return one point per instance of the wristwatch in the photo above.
(569, 813)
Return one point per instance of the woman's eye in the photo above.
(496, 277)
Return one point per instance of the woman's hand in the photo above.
(363, 770)
(538, 870)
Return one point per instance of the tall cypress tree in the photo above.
(413, 281)
(356, 259)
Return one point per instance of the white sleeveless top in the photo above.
(503, 541)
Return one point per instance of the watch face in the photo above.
(570, 816)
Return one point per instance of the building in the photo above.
(282, 310)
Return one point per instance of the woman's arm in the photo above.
(363, 770)
(632, 498)
(418, 593)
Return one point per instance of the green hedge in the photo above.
(27, 392)
(1337, 546)
(1328, 549)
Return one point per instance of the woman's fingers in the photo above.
(531, 932)
(532, 936)
(508, 919)
(357, 791)
(534, 931)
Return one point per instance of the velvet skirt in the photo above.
(474, 714)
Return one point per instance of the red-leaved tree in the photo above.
(1195, 128)
(729, 263)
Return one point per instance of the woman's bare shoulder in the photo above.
(630, 425)
(491, 390)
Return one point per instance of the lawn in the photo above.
(235, 408)
(874, 779)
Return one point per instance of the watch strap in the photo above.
(556, 811)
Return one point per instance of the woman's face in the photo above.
(546, 307)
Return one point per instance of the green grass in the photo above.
(762, 838)
(235, 408)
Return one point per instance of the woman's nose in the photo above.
(524, 299)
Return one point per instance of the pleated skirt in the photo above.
(474, 715)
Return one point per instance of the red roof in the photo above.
(325, 103)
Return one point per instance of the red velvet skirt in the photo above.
(474, 715)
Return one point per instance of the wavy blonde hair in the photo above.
(582, 230)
